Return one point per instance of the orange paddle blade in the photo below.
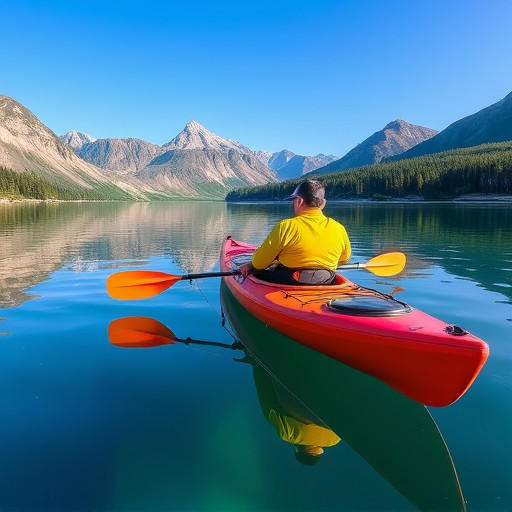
(139, 332)
(139, 284)
(388, 264)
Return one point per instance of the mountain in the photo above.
(288, 165)
(395, 138)
(27, 145)
(199, 164)
(491, 124)
(299, 165)
(264, 156)
(195, 136)
(122, 155)
(279, 160)
(76, 139)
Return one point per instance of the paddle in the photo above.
(144, 332)
(142, 284)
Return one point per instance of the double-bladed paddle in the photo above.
(142, 284)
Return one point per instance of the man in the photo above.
(293, 422)
(305, 249)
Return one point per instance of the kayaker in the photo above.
(305, 249)
(292, 421)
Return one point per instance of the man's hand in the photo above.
(247, 269)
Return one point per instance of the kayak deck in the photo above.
(416, 354)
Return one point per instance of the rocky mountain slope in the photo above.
(26, 144)
(395, 138)
(121, 155)
(491, 124)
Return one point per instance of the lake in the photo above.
(87, 425)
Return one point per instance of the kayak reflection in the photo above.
(394, 434)
(313, 401)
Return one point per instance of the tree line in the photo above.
(485, 169)
(28, 185)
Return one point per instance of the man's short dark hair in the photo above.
(312, 191)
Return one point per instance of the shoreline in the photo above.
(469, 198)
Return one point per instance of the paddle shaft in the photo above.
(186, 277)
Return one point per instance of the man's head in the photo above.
(308, 455)
(312, 192)
(309, 194)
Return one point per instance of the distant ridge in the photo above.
(491, 124)
(288, 165)
(395, 138)
(122, 155)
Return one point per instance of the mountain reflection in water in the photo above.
(39, 238)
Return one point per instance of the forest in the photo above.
(27, 185)
(485, 169)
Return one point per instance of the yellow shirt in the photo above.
(309, 240)
(296, 432)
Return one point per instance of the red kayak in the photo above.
(424, 358)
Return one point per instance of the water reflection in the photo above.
(37, 239)
(294, 423)
(314, 403)
(473, 241)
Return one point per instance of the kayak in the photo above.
(416, 354)
(387, 429)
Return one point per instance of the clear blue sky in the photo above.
(310, 76)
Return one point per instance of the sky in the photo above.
(313, 77)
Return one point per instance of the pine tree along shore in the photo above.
(485, 169)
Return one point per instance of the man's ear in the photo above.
(324, 202)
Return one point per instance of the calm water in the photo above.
(88, 426)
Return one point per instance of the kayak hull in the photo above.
(413, 353)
